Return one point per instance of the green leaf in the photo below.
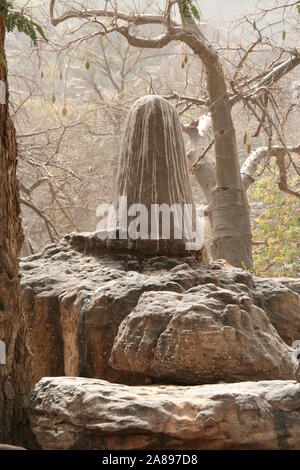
(4, 7)
(188, 9)
(23, 24)
(184, 8)
(11, 21)
(40, 31)
(195, 12)
(30, 31)
(20, 24)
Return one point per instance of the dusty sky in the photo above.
(228, 10)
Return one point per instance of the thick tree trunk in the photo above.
(205, 171)
(231, 226)
(15, 373)
(230, 217)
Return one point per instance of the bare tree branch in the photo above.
(260, 158)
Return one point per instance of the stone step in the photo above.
(79, 413)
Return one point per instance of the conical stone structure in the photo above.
(153, 197)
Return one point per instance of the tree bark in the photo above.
(15, 373)
(232, 239)
(231, 227)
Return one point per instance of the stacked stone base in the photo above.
(175, 354)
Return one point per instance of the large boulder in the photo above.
(205, 335)
(77, 413)
(291, 283)
(281, 302)
(76, 295)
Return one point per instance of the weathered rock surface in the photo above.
(291, 283)
(204, 335)
(77, 293)
(281, 302)
(76, 296)
(76, 413)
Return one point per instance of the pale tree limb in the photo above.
(198, 160)
(48, 223)
(283, 182)
(246, 55)
(260, 158)
(134, 19)
(268, 79)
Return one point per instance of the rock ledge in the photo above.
(77, 413)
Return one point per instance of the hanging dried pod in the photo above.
(53, 97)
(64, 110)
(245, 137)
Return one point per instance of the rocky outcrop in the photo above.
(205, 335)
(291, 283)
(75, 296)
(108, 305)
(281, 302)
(102, 312)
(77, 293)
(76, 413)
